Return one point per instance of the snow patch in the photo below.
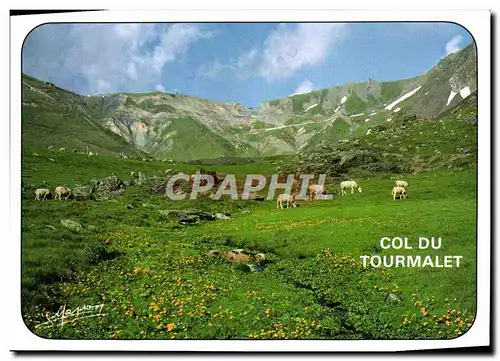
(343, 100)
(426, 93)
(389, 119)
(369, 131)
(373, 113)
(450, 98)
(310, 107)
(400, 99)
(397, 110)
(336, 110)
(367, 119)
(465, 92)
(357, 115)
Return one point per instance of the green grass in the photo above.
(156, 281)
(261, 125)
(332, 134)
(186, 142)
(355, 104)
(52, 116)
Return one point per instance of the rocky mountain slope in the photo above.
(55, 117)
(185, 127)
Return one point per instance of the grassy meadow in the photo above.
(154, 279)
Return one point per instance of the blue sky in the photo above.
(245, 63)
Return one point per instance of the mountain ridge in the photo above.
(185, 127)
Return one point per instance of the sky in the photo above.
(246, 63)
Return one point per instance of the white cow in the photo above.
(399, 191)
(401, 183)
(41, 194)
(349, 184)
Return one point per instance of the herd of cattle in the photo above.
(316, 190)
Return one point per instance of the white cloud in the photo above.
(160, 88)
(175, 41)
(292, 47)
(288, 49)
(453, 44)
(107, 57)
(132, 71)
(212, 70)
(243, 66)
(246, 63)
(305, 87)
(103, 86)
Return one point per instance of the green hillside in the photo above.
(186, 139)
(53, 116)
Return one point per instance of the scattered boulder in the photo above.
(357, 158)
(238, 256)
(157, 185)
(471, 120)
(189, 217)
(72, 225)
(141, 178)
(174, 213)
(392, 297)
(109, 187)
(83, 193)
(221, 216)
(257, 267)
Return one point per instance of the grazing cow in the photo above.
(41, 194)
(288, 198)
(315, 190)
(400, 192)
(401, 183)
(62, 191)
(349, 184)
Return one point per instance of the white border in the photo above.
(478, 24)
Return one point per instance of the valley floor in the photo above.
(152, 279)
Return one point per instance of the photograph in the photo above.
(250, 180)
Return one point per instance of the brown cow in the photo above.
(315, 190)
(288, 198)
